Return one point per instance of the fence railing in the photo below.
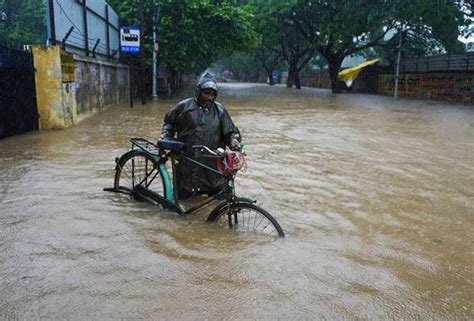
(18, 112)
(441, 63)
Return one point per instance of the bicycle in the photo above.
(141, 172)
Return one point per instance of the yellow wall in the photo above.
(71, 88)
(54, 88)
(438, 86)
(48, 87)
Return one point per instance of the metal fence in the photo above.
(18, 111)
(441, 63)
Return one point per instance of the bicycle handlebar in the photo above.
(177, 146)
(218, 152)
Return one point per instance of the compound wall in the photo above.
(71, 88)
(457, 87)
(99, 84)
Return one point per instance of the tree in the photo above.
(296, 50)
(269, 59)
(340, 28)
(423, 31)
(267, 26)
(22, 22)
(195, 33)
(243, 65)
(281, 39)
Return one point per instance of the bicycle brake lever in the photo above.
(220, 151)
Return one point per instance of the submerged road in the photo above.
(375, 195)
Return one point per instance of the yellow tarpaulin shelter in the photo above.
(348, 75)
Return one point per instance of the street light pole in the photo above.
(143, 81)
(399, 54)
(155, 50)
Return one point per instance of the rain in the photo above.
(373, 190)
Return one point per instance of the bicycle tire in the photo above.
(137, 168)
(224, 203)
(248, 218)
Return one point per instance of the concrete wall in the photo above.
(71, 88)
(447, 86)
(49, 89)
(99, 84)
(451, 86)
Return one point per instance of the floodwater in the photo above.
(376, 197)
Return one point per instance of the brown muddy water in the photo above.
(376, 197)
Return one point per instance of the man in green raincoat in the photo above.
(200, 120)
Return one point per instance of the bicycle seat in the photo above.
(170, 144)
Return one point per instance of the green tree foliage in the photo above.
(424, 31)
(341, 28)
(267, 25)
(22, 22)
(437, 20)
(194, 33)
(197, 33)
(243, 66)
(269, 59)
(281, 39)
(128, 11)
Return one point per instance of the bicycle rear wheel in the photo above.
(248, 218)
(137, 169)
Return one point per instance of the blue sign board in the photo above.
(130, 40)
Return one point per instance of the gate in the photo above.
(18, 112)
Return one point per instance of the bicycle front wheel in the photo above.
(248, 218)
(137, 169)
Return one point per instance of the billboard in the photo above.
(83, 27)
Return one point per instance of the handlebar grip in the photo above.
(207, 149)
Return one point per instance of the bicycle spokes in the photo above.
(250, 219)
(139, 172)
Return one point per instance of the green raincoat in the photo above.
(196, 125)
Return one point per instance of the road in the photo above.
(375, 195)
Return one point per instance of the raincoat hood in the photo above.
(206, 82)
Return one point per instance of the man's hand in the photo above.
(234, 144)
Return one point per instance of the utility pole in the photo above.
(155, 48)
(52, 26)
(143, 81)
(399, 54)
(86, 31)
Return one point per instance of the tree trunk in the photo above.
(297, 79)
(256, 76)
(270, 77)
(173, 78)
(334, 66)
(291, 76)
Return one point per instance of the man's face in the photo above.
(206, 97)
